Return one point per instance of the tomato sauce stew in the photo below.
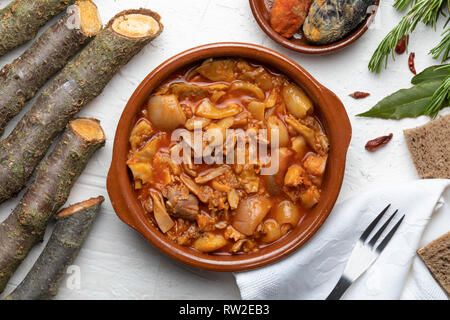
(244, 199)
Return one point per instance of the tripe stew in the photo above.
(227, 208)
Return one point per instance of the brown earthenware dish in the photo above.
(261, 12)
(332, 115)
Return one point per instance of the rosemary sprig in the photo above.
(402, 4)
(426, 11)
(439, 99)
(443, 48)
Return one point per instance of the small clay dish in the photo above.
(330, 111)
(261, 11)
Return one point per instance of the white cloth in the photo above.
(313, 270)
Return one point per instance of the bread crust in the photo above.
(436, 256)
(429, 148)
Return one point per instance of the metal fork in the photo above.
(364, 254)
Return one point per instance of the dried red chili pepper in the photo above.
(359, 95)
(411, 63)
(401, 45)
(374, 144)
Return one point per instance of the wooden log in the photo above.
(71, 230)
(55, 176)
(20, 80)
(82, 79)
(21, 20)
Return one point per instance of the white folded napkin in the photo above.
(314, 269)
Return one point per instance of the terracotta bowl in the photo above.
(261, 12)
(330, 111)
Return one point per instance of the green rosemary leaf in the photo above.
(401, 5)
(443, 48)
(425, 11)
(440, 98)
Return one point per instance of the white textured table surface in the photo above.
(116, 262)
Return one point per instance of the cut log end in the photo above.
(137, 24)
(88, 129)
(90, 21)
(80, 206)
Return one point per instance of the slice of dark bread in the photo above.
(436, 256)
(429, 146)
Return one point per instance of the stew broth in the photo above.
(227, 208)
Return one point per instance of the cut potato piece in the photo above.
(272, 231)
(287, 213)
(165, 112)
(274, 124)
(209, 242)
(296, 100)
(248, 87)
(250, 213)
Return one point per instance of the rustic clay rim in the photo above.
(330, 110)
(257, 7)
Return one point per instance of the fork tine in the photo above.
(373, 224)
(380, 231)
(388, 237)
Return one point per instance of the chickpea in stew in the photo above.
(227, 206)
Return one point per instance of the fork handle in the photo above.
(340, 288)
